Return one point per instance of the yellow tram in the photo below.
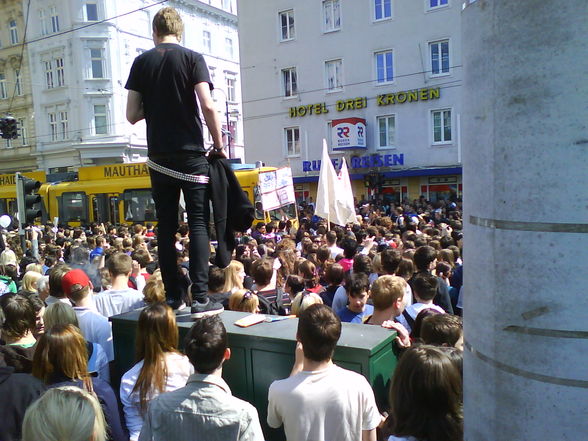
(117, 194)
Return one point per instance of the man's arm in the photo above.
(368, 435)
(134, 107)
(210, 115)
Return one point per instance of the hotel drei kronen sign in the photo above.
(386, 99)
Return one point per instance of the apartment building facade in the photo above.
(80, 54)
(16, 98)
(379, 80)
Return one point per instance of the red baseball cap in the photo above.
(74, 277)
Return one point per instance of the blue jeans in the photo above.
(166, 194)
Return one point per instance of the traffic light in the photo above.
(9, 127)
(26, 199)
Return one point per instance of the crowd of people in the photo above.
(397, 267)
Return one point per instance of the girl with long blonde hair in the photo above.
(234, 275)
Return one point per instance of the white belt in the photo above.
(199, 179)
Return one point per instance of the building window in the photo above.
(206, 41)
(91, 10)
(9, 143)
(54, 19)
(13, 32)
(23, 131)
(3, 91)
(441, 126)
(439, 57)
(53, 126)
(100, 120)
(229, 47)
(332, 15)
(386, 131)
(290, 82)
(97, 63)
(63, 125)
(49, 74)
(60, 72)
(382, 9)
(287, 25)
(334, 74)
(384, 67)
(231, 88)
(433, 4)
(292, 135)
(17, 82)
(43, 22)
(228, 5)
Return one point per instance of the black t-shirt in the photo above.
(165, 77)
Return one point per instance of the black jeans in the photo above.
(166, 194)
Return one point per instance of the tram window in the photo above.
(283, 213)
(259, 214)
(73, 207)
(12, 206)
(3, 206)
(139, 206)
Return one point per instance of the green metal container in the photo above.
(264, 352)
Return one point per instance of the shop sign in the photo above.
(348, 133)
(386, 99)
(358, 162)
(114, 171)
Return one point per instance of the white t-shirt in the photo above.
(96, 328)
(118, 301)
(179, 369)
(335, 251)
(330, 404)
(413, 310)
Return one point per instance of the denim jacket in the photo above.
(203, 409)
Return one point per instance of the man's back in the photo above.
(204, 408)
(165, 77)
(118, 301)
(96, 328)
(331, 404)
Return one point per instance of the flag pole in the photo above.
(295, 202)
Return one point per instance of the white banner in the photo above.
(276, 188)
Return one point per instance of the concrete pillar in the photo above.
(525, 162)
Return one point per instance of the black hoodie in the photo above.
(17, 392)
(18, 357)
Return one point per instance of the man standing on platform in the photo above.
(163, 85)
(321, 401)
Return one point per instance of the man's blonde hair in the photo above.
(386, 290)
(167, 21)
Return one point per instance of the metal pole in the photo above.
(229, 134)
(21, 206)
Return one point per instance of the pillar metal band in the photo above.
(547, 227)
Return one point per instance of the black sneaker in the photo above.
(200, 310)
(178, 306)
